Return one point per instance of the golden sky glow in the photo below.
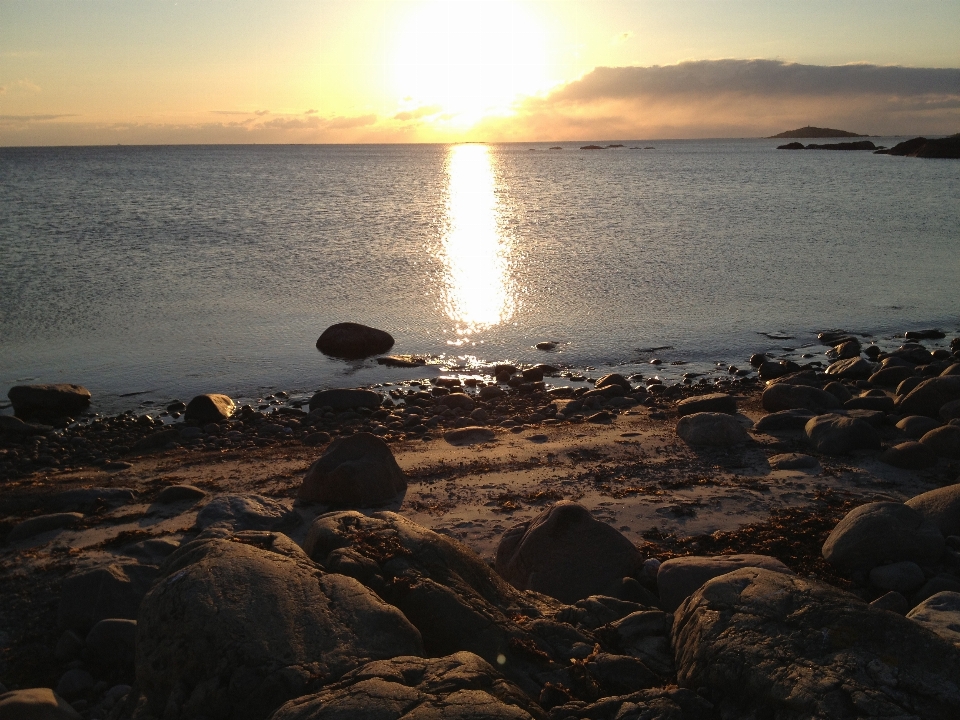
(107, 71)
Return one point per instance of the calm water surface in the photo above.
(176, 270)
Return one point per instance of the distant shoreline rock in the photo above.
(815, 132)
(941, 148)
(857, 145)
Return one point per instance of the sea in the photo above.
(151, 274)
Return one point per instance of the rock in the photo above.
(342, 399)
(655, 704)
(793, 461)
(784, 421)
(909, 456)
(763, 644)
(114, 590)
(940, 613)
(458, 686)
(916, 426)
(246, 512)
(111, 643)
(874, 418)
(457, 400)
(771, 370)
(838, 435)
(356, 471)
(953, 369)
(69, 647)
(943, 441)
(613, 379)
(891, 375)
(209, 408)
(950, 411)
(401, 361)
(87, 499)
(43, 523)
(930, 334)
(714, 402)
(881, 533)
(316, 439)
(892, 602)
(878, 404)
(644, 634)
(791, 146)
(156, 441)
(152, 551)
(942, 582)
(566, 553)
(353, 341)
(904, 388)
(546, 345)
(241, 623)
(940, 507)
(680, 577)
(854, 368)
(36, 704)
(856, 145)
(15, 426)
(790, 397)
(838, 390)
(711, 429)
(904, 577)
(48, 401)
(74, 683)
(180, 493)
(929, 396)
(471, 435)
(845, 350)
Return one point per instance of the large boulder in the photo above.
(892, 375)
(940, 507)
(909, 456)
(854, 368)
(940, 613)
(340, 399)
(352, 340)
(355, 471)
(92, 594)
(881, 533)
(714, 402)
(943, 441)
(929, 396)
(916, 426)
(42, 402)
(246, 512)
(209, 408)
(784, 421)
(36, 704)
(458, 686)
(241, 623)
(838, 434)
(711, 429)
(679, 578)
(566, 553)
(783, 396)
(763, 644)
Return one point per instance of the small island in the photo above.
(816, 132)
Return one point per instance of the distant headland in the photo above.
(816, 132)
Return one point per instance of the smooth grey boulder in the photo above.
(941, 507)
(881, 533)
(838, 390)
(341, 399)
(354, 471)
(916, 426)
(240, 623)
(784, 421)
(940, 613)
(714, 402)
(853, 368)
(763, 644)
(114, 590)
(613, 379)
(15, 426)
(929, 396)
(782, 396)
(471, 435)
(711, 430)
(209, 408)
(44, 402)
(679, 578)
(353, 341)
(870, 402)
(36, 704)
(891, 376)
(458, 686)
(458, 400)
(566, 553)
(246, 512)
(43, 523)
(910, 456)
(944, 441)
(904, 577)
(838, 435)
(793, 461)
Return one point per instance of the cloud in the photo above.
(25, 119)
(20, 86)
(420, 112)
(724, 98)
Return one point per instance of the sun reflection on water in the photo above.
(476, 253)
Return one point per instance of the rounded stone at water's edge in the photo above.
(473, 435)
(943, 441)
(714, 402)
(353, 340)
(340, 399)
(711, 429)
(566, 553)
(354, 471)
(209, 408)
(916, 426)
(48, 401)
(881, 533)
(791, 397)
(838, 435)
(929, 396)
(853, 368)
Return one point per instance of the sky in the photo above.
(78, 72)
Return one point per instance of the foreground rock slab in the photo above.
(765, 644)
(209, 408)
(48, 401)
(240, 623)
(679, 578)
(461, 685)
(839, 435)
(711, 429)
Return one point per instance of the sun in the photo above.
(470, 58)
